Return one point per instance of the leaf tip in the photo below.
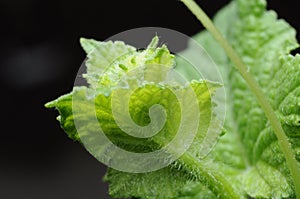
(50, 104)
(88, 45)
(153, 43)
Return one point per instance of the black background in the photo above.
(39, 58)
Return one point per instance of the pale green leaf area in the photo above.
(248, 160)
(101, 55)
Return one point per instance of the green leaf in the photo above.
(101, 55)
(80, 106)
(165, 183)
(185, 172)
(108, 62)
(251, 149)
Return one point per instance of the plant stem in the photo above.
(262, 100)
(210, 177)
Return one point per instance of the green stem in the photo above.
(210, 177)
(242, 68)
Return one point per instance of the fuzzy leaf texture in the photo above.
(249, 153)
(184, 176)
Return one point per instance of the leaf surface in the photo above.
(251, 147)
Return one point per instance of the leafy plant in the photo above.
(259, 155)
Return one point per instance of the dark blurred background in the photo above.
(39, 58)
